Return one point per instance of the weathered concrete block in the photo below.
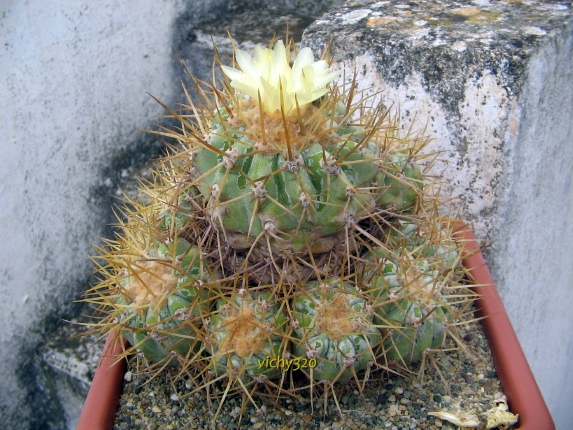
(493, 83)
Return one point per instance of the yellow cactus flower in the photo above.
(269, 74)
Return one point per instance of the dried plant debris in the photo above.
(500, 417)
(497, 417)
(459, 418)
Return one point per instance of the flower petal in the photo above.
(232, 73)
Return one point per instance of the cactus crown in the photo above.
(242, 326)
(152, 285)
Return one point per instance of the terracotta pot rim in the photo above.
(517, 380)
(514, 373)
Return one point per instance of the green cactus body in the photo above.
(333, 326)
(177, 213)
(407, 302)
(400, 183)
(302, 196)
(428, 240)
(384, 285)
(416, 330)
(246, 330)
(164, 296)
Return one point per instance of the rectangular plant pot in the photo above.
(523, 394)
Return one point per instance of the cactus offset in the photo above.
(411, 285)
(164, 297)
(154, 289)
(245, 329)
(334, 327)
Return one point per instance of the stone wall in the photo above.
(492, 84)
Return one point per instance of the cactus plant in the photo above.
(164, 296)
(290, 222)
(410, 285)
(246, 329)
(154, 289)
